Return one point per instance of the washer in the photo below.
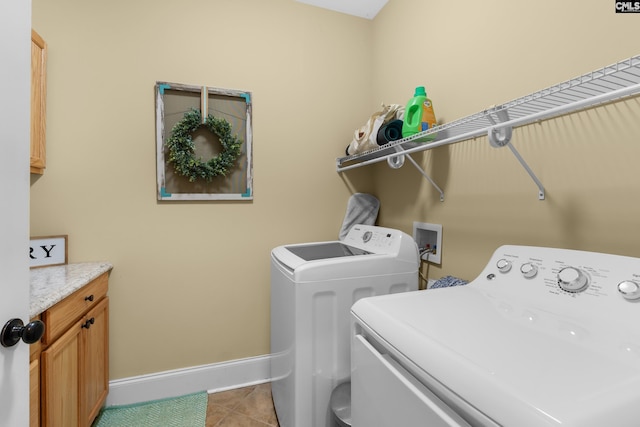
(313, 287)
(543, 337)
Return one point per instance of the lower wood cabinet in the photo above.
(74, 361)
(34, 393)
(94, 363)
(61, 380)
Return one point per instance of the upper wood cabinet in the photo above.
(38, 102)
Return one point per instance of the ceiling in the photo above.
(363, 8)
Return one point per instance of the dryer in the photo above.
(542, 337)
(313, 286)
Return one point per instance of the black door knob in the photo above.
(14, 330)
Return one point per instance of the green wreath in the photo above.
(182, 149)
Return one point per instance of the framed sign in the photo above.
(47, 251)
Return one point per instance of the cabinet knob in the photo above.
(89, 322)
(14, 330)
(89, 298)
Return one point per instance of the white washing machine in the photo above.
(313, 287)
(543, 337)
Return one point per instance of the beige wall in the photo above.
(190, 283)
(470, 55)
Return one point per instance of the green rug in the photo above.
(184, 411)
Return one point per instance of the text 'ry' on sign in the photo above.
(46, 251)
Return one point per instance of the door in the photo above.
(15, 74)
(384, 394)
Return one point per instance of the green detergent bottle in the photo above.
(419, 116)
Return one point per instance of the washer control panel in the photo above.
(378, 240)
(566, 272)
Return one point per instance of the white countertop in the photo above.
(50, 285)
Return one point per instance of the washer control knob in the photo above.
(629, 289)
(503, 265)
(572, 279)
(367, 236)
(528, 270)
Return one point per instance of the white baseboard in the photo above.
(214, 377)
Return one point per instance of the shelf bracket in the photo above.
(501, 136)
(396, 162)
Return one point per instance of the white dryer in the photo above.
(543, 337)
(313, 287)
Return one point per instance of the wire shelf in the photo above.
(614, 82)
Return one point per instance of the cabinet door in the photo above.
(60, 379)
(34, 381)
(94, 377)
(34, 393)
(38, 102)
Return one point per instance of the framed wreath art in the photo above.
(204, 143)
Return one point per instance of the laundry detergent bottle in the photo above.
(419, 116)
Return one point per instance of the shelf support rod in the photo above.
(529, 171)
(426, 176)
(500, 136)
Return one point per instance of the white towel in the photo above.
(361, 209)
(366, 137)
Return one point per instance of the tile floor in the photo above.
(243, 407)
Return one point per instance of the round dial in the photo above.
(367, 236)
(629, 289)
(528, 270)
(503, 265)
(572, 279)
